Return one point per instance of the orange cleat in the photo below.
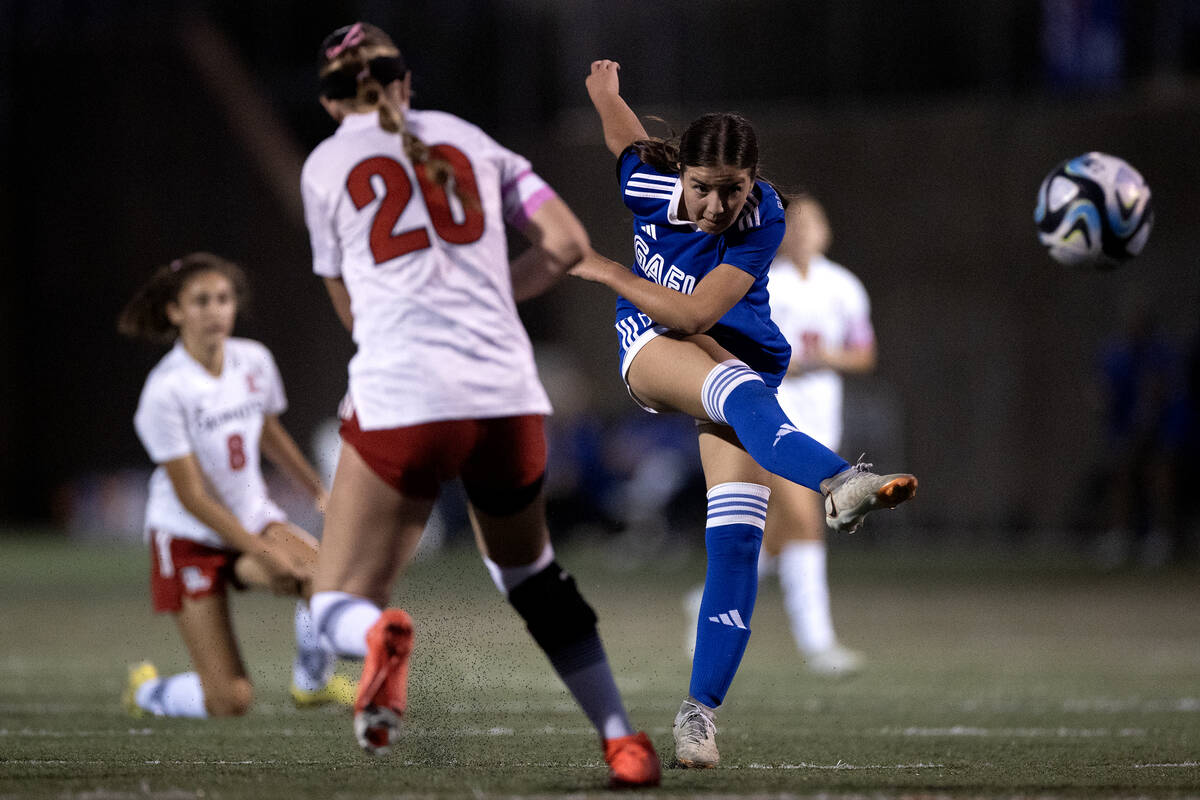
(632, 762)
(383, 689)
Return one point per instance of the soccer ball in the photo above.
(1093, 211)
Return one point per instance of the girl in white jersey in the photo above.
(824, 311)
(205, 409)
(406, 212)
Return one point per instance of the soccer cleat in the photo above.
(383, 690)
(138, 675)
(835, 660)
(632, 762)
(854, 492)
(695, 731)
(340, 691)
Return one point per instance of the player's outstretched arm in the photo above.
(621, 126)
(713, 296)
(558, 241)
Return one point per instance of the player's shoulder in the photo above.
(645, 187)
(247, 350)
(834, 272)
(763, 208)
(430, 125)
(169, 373)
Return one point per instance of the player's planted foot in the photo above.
(340, 690)
(632, 762)
(138, 675)
(695, 733)
(383, 690)
(854, 492)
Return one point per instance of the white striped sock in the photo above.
(720, 381)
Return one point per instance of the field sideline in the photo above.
(986, 679)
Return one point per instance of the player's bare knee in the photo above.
(231, 699)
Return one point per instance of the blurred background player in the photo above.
(825, 314)
(410, 240)
(696, 335)
(207, 409)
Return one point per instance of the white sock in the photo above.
(806, 594)
(506, 578)
(342, 621)
(313, 664)
(767, 563)
(174, 696)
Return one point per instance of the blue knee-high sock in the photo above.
(737, 513)
(735, 395)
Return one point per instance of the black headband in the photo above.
(343, 83)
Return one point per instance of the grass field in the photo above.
(986, 679)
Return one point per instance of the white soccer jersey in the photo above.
(185, 409)
(827, 308)
(427, 269)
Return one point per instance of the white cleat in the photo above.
(695, 731)
(834, 661)
(854, 492)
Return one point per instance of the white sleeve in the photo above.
(160, 424)
(318, 215)
(857, 305)
(522, 191)
(276, 400)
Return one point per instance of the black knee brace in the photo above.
(556, 614)
(503, 502)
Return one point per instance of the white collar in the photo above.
(358, 122)
(676, 200)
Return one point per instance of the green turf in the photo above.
(985, 679)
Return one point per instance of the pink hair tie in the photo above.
(177, 265)
(353, 36)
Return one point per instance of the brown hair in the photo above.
(720, 139)
(145, 315)
(355, 62)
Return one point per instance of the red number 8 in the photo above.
(237, 451)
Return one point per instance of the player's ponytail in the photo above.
(356, 63)
(145, 315)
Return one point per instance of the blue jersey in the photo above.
(675, 254)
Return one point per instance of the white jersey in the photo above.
(185, 409)
(827, 308)
(434, 317)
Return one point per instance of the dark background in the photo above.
(133, 132)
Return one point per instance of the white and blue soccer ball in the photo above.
(1094, 211)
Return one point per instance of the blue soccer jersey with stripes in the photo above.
(676, 254)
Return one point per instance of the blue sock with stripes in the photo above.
(737, 513)
(735, 395)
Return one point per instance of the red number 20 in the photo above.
(237, 451)
(398, 191)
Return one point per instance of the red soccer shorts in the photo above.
(182, 568)
(492, 456)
